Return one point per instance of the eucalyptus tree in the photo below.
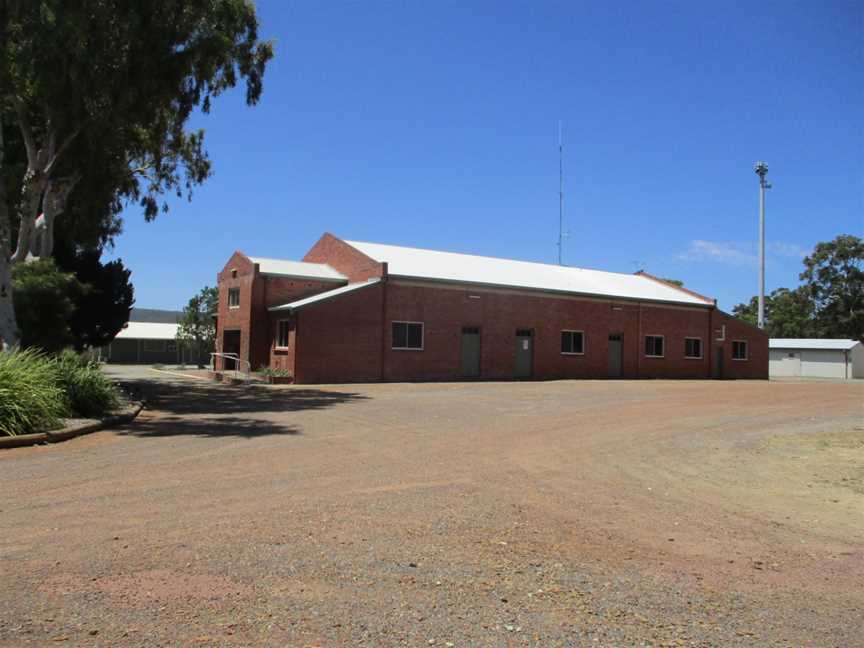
(95, 102)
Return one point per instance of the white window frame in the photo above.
(393, 347)
(574, 353)
(746, 350)
(287, 334)
(701, 352)
(654, 335)
(230, 291)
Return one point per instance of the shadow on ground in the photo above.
(213, 427)
(213, 410)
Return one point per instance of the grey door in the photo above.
(718, 362)
(616, 356)
(470, 352)
(524, 353)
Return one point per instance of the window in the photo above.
(282, 328)
(654, 346)
(171, 346)
(408, 336)
(739, 350)
(572, 342)
(233, 298)
(693, 348)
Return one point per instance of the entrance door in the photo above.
(718, 362)
(230, 344)
(524, 353)
(616, 356)
(470, 352)
(790, 365)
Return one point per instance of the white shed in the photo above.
(812, 358)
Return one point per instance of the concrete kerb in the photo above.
(72, 431)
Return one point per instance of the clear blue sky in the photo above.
(434, 124)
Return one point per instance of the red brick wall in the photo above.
(341, 340)
(348, 260)
(445, 311)
(257, 293)
(756, 365)
(236, 318)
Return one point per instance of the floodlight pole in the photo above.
(762, 170)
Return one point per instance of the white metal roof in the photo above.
(323, 296)
(467, 268)
(148, 331)
(284, 268)
(811, 343)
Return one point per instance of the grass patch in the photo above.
(31, 397)
(89, 391)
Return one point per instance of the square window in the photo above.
(233, 298)
(282, 329)
(654, 346)
(693, 348)
(572, 342)
(408, 336)
(739, 349)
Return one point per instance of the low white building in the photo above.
(812, 358)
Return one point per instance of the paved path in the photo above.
(488, 514)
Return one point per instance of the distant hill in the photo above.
(154, 315)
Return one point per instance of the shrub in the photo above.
(89, 391)
(277, 373)
(31, 399)
(44, 303)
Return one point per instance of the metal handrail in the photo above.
(247, 375)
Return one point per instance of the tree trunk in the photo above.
(34, 186)
(42, 237)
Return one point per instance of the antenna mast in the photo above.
(560, 195)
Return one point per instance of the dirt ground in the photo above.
(573, 513)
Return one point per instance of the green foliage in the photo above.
(788, 314)
(834, 281)
(89, 392)
(44, 304)
(114, 84)
(674, 282)
(102, 309)
(276, 373)
(830, 304)
(197, 329)
(31, 399)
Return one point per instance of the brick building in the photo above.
(354, 311)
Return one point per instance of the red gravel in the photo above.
(647, 513)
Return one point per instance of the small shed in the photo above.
(814, 358)
(148, 342)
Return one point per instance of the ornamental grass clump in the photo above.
(89, 392)
(31, 398)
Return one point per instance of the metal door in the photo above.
(524, 353)
(470, 352)
(718, 362)
(616, 356)
(791, 365)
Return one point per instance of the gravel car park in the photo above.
(571, 513)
